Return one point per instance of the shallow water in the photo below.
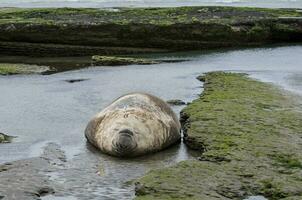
(42, 109)
(256, 198)
(150, 3)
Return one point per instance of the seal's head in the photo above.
(126, 133)
(124, 143)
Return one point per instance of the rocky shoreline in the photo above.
(248, 135)
(77, 31)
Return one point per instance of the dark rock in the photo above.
(173, 61)
(45, 191)
(201, 78)
(176, 102)
(76, 80)
(141, 189)
(214, 159)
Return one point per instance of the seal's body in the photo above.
(134, 124)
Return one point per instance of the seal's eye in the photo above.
(126, 132)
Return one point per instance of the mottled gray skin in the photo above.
(133, 125)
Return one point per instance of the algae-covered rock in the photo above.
(86, 31)
(248, 134)
(11, 69)
(118, 61)
(5, 138)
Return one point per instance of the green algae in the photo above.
(5, 138)
(287, 160)
(118, 61)
(248, 135)
(160, 16)
(12, 69)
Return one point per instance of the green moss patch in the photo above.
(248, 134)
(11, 69)
(287, 160)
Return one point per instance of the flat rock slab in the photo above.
(27, 180)
(22, 180)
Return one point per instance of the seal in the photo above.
(134, 124)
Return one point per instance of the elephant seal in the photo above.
(133, 125)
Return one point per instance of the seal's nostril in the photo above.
(125, 144)
(126, 131)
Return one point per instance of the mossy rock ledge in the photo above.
(88, 31)
(119, 61)
(14, 69)
(249, 137)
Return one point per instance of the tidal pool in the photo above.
(42, 109)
